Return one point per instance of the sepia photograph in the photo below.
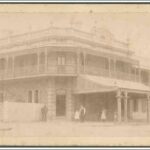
(75, 74)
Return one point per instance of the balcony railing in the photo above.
(25, 71)
(61, 69)
(32, 70)
(112, 74)
(70, 69)
(96, 71)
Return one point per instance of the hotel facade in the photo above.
(64, 68)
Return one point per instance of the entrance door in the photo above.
(60, 105)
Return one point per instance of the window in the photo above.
(61, 60)
(30, 96)
(42, 58)
(135, 105)
(33, 96)
(36, 96)
(2, 63)
(82, 59)
(10, 63)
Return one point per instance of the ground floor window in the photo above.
(36, 96)
(60, 103)
(30, 96)
(33, 96)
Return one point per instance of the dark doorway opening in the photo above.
(60, 105)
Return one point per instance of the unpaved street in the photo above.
(72, 129)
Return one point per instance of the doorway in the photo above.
(60, 105)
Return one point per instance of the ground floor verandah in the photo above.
(129, 101)
(134, 108)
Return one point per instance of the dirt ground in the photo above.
(75, 129)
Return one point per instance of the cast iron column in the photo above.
(119, 96)
(125, 106)
(148, 107)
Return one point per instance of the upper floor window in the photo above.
(61, 60)
(82, 59)
(10, 63)
(42, 58)
(145, 77)
(2, 63)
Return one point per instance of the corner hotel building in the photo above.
(63, 68)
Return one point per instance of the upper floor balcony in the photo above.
(67, 63)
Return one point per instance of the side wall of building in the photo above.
(22, 103)
(23, 99)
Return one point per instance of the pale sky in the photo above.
(132, 25)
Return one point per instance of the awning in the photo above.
(91, 84)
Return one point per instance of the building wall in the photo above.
(21, 112)
(17, 91)
(141, 109)
(16, 106)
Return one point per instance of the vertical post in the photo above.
(13, 66)
(139, 74)
(148, 107)
(135, 74)
(70, 109)
(78, 63)
(119, 96)
(115, 73)
(38, 63)
(46, 60)
(84, 55)
(125, 106)
(5, 68)
(109, 74)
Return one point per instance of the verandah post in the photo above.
(119, 96)
(125, 106)
(148, 107)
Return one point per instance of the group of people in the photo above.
(81, 113)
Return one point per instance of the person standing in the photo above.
(82, 113)
(44, 111)
(115, 116)
(103, 115)
(77, 115)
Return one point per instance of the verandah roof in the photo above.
(91, 84)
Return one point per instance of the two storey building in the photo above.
(64, 68)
